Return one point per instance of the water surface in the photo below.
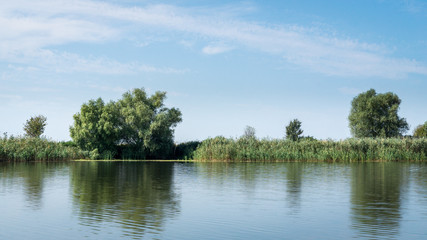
(140, 200)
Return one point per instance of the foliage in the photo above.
(146, 123)
(375, 115)
(293, 130)
(421, 130)
(350, 150)
(185, 150)
(134, 126)
(37, 149)
(96, 126)
(249, 132)
(34, 127)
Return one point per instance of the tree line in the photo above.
(139, 126)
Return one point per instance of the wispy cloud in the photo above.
(33, 25)
(215, 49)
(64, 62)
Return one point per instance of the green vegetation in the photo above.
(375, 115)
(138, 126)
(37, 149)
(293, 130)
(350, 150)
(421, 130)
(34, 127)
(185, 151)
(134, 127)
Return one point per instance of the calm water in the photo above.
(136, 200)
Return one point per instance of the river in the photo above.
(150, 200)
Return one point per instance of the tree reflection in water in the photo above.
(294, 175)
(32, 176)
(138, 196)
(376, 198)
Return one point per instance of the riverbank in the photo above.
(23, 149)
(349, 150)
(220, 149)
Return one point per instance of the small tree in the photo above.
(421, 130)
(249, 132)
(34, 127)
(293, 130)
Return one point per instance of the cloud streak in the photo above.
(215, 49)
(25, 30)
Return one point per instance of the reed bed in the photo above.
(16, 149)
(349, 150)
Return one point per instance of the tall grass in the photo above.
(37, 149)
(349, 150)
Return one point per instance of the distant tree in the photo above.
(375, 115)
(293, 130)
(34, 127)
(249, 132)
(421, 130)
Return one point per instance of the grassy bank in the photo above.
(350, 150)
(37, 149)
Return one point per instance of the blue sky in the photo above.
(224, 64)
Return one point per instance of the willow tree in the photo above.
(375, 115)
(96, 126)
(146, 123)
(136, 125)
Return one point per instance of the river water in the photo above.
(145, 200)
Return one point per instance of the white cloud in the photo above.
(212, 49)
(29, 26)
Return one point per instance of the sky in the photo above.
(225, 64)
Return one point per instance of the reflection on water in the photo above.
(137, 196)
(31, 177)
(376, 198)
(294, 176)
(111, 200)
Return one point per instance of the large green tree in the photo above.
(96, 126)
(293, 130)
(146, 123)
(375, 115)
(34, 127)
(421, 130)
(135, 125)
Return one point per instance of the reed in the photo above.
(16, 149)
(349, 150)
